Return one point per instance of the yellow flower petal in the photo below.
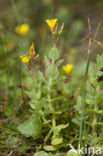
(31, 50)
(24, 59)
(68, 68)
(22, 29)
(51, 23)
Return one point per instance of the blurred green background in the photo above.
(73, 13)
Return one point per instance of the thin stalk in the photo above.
(50, 103)
(49, 95)
(20, 81)
(48, 135)
(45, 121)
(53, 121)
(51, 109)
(32, 73)
(83, 124)
(83, 94)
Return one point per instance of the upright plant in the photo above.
(44, 97)
(83, 101)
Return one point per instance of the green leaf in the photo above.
(57, 140)
(99, 61)
(37, 104)
(49, 148)
(59, 128)
(23, 148)
(46, 60)
(31, 127)
(54, 54)
(72, 153)
(58, 63)
(90, 101)
(41, 153)
(76, 121)
(41, 76)
(100, 111)
(12, 141)
(52, 72)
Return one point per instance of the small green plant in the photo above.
(43, 121)
(94, 99)
(89, 101)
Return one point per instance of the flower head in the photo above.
(51, 23)
(31, 50)
(22, 29)
(31, 57)
(68, 68)
(25, 59)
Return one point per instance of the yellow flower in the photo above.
(32, 50)
(25, 59)
(51, 23)
(67, 68)
(22, 29)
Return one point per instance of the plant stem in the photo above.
(53, 121)
(83, 95)
(32, 73)
(48, 135)
(83, 109)
(49, 94)
(50, 103)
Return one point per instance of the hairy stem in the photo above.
(50, 103)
